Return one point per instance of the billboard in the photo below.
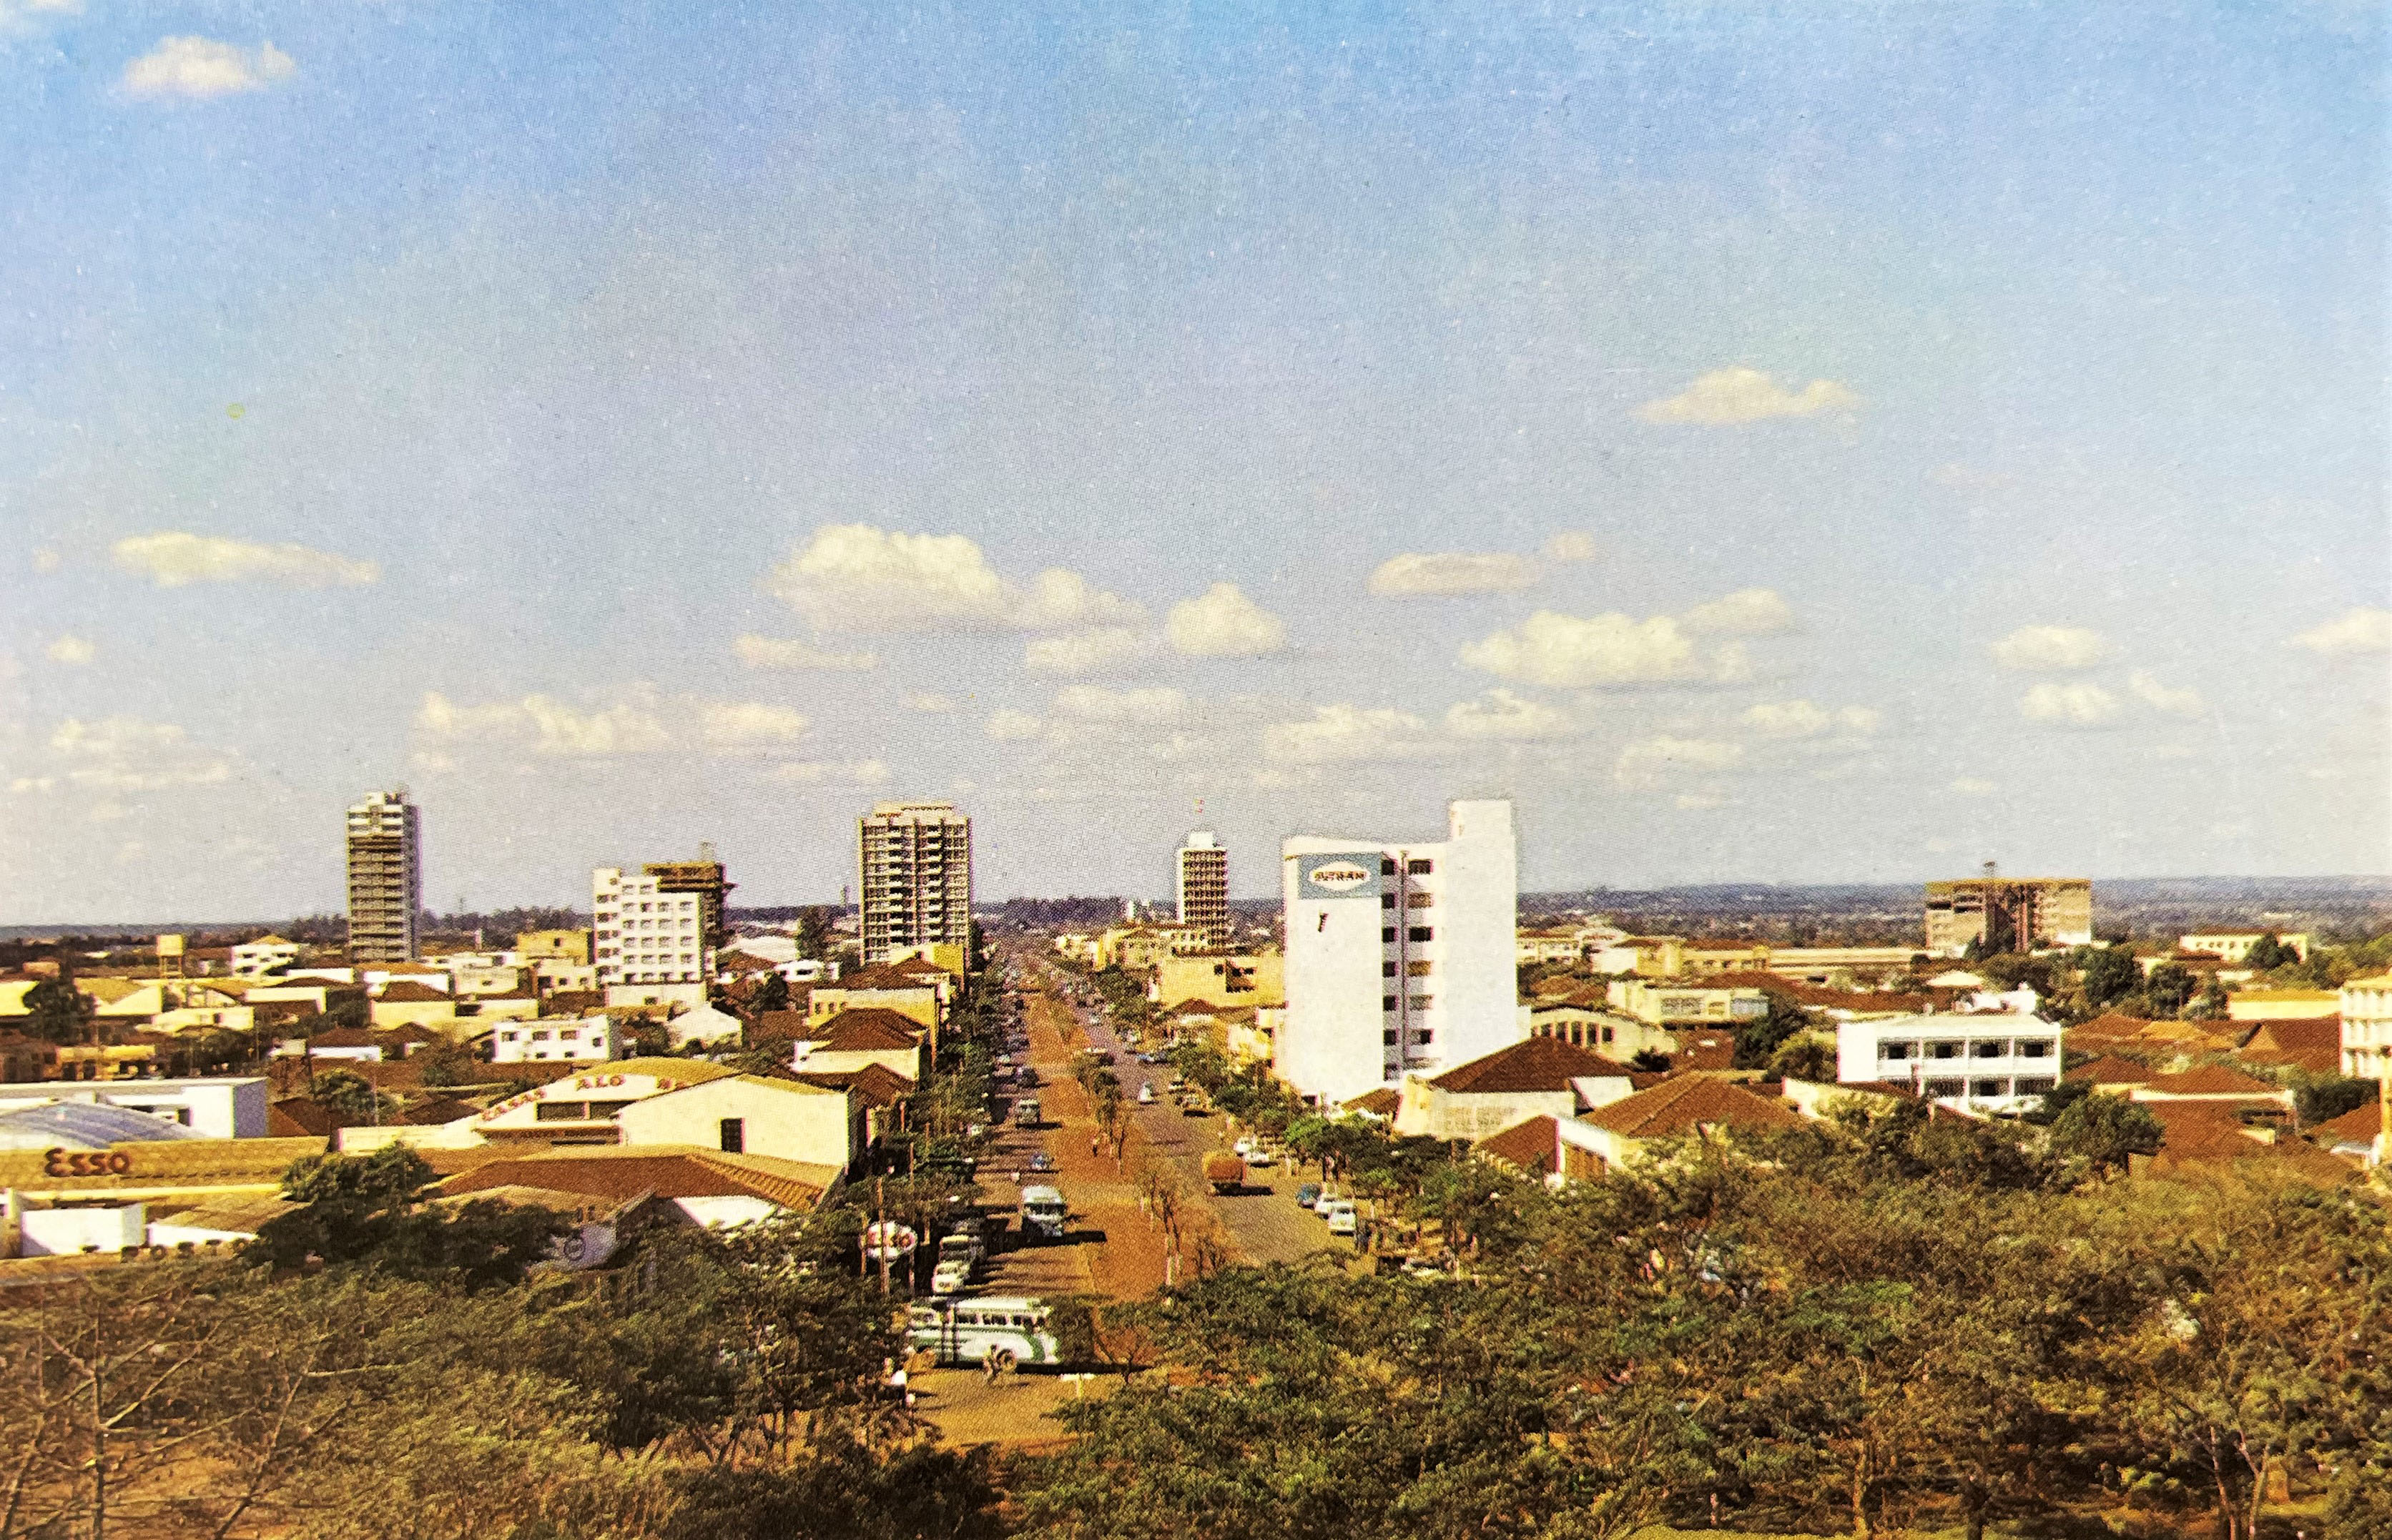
(1344, 875)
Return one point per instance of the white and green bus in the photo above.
(966, 1331)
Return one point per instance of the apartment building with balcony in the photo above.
(1996, 1061)
(641, 932)
(385, 871)
(914, 868)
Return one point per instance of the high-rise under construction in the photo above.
(385, 878)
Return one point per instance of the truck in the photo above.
(1044, 1213)
(1225, 1171)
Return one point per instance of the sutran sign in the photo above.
(1353, 876)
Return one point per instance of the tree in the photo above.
(2322, 1099)
(1804, 1058)
(2108, 975)
(2267, 954)
(445, 1064)
(346, 1093)
(1758, 1039)
(2102, 1131)
(2169, 987)
(843, 1489)
(57, 1011)
(772, 993)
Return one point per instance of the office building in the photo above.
(641, 933)
(1400, 957)
(702, 878)
(914, 863)
(2001, 915)
(385, 878)
(1205, 883)
(2000, 1062)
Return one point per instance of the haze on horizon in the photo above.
(1807, 443)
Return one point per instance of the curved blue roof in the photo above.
(83, 1125)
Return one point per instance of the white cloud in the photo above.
(1739, 393)
(18, 15)
(1338, 734)
(1009, 726)
(813, 772)
(1565, 651)
(201, 68)
(2050, 648)
(1089, 702)
(72, 649)
(1095, 651)
(1747, 612)
(857, 577)
(1973, 786)
(2360, 630)
(1700, 801)
(1501, 714)
(125, 753)
(1223, 623)
(2069, 705)
(1802, 719)
(173, 559)
(1572, 545)
(554, 726)
(747, 724)
(2186, 702)
(1645, 761)
(1452, 572)
(931, 704)
(763, 651)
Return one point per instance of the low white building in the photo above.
(2366, 1026)
(706, 1026)
(590, 1040)
(264, 955)
(229, 1106)
(1990, 1063)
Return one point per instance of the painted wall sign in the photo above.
(1338, 876)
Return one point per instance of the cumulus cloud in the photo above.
(72, 649)
(1503, 715)
(200, 68)
(1802, 719)
(560, 729)
(749, 724)
(2069, 705)
(1223, 623)
(1415, 574)
(2186, 702)
(1009, 726)
(126, 754)
(1572, 545)
(2050, 648)
(763, 651)
(2360, 630)
(1098, 649)
(1089, 702)
(1647, 761)
(1565, 651)
(174, 558)
(1747, 612)
(857, 577)
(1340, 734)
(815, 772)
(1739, 393)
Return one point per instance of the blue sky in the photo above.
(1772, 441)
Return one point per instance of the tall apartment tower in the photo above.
(641, 932)
(1399, 957)
(702, 878)
(1205, 883)
(913, 860)
(2000, 915)
(385, 878)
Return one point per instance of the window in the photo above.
(1422, 1038)
(561, 1112)
(1423, 1002)
(1421, 932)
(1945, 1088)
(1990, 1048)
(1896, 1049)
(1421, 866)
(1419, 970)
(1386, 901)
(2033, 1085)
(1387, 936)
(1387, 1003)
(735, 1136)
(2034, 1048)
(1388, 969)
(1606, 1034)
(1388, 1038)
(1987, 1087)
(1388, 867)
(1420, 901)
(1942, 1050)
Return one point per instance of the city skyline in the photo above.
(1766, 445)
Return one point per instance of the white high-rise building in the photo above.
(385, 878)
(914, 862)
(1399, 957)
(1205, 883)
(643, 933)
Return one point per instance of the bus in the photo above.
(966, 1331)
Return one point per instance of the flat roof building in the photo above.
(914, 864)
(642, 932)
(385, 861)
(2002, 915)
(1204, 883)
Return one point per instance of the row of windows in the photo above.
(1411, 970)
(1417, 1003)
(1419, 866)
(1989, 1085)
(1975, 1048)
(1420, 1038)
(1414, 901)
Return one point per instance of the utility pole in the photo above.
(880, 1228)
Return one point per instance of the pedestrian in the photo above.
(988, 1363)
(1092, 1146)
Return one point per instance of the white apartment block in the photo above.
(913, 860)
(1998, 1062)
(641, 933)
(266, 954)
(1204, 883)
(1400, 958)
(385, 878)
(2366, 1026)
(589, 1040)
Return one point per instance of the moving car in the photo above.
(951, 1278)
(1025, 1112)
(1044, 1213)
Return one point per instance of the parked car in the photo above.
(1329, 1198)
(1146, 1095)
(1307, 1194)
(1042, 1161)
(1261, 1157)
(1343, 1221)
(951, 1278)
(1244, 1146)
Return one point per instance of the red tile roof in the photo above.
(1382, 1102)
(2213, 1080)
(1533, 1146)
(865, 1029)
(1688, 1104)
(780, 1023)
(2299, 1035)
(2360, 1124)
(877, 1084)
(620, 1173)
(1532, 1063)
(2110, 1069)
(407, 992)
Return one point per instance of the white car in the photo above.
(1146, 1095)
(1342, 1219)
(1260, 1158)
(951, 1278)
(1326, 1201)
(1244, 1147)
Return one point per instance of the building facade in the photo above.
(915, 873)
(590, 1039)
(385, 878)
(703, 878)
(1400, 958)
(2366, 1008)
(2001, 915)
(641, 933)
(1204, 883)
(2000, 1063)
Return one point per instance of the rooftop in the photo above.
(1532, 1063)
(1691, 1104)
